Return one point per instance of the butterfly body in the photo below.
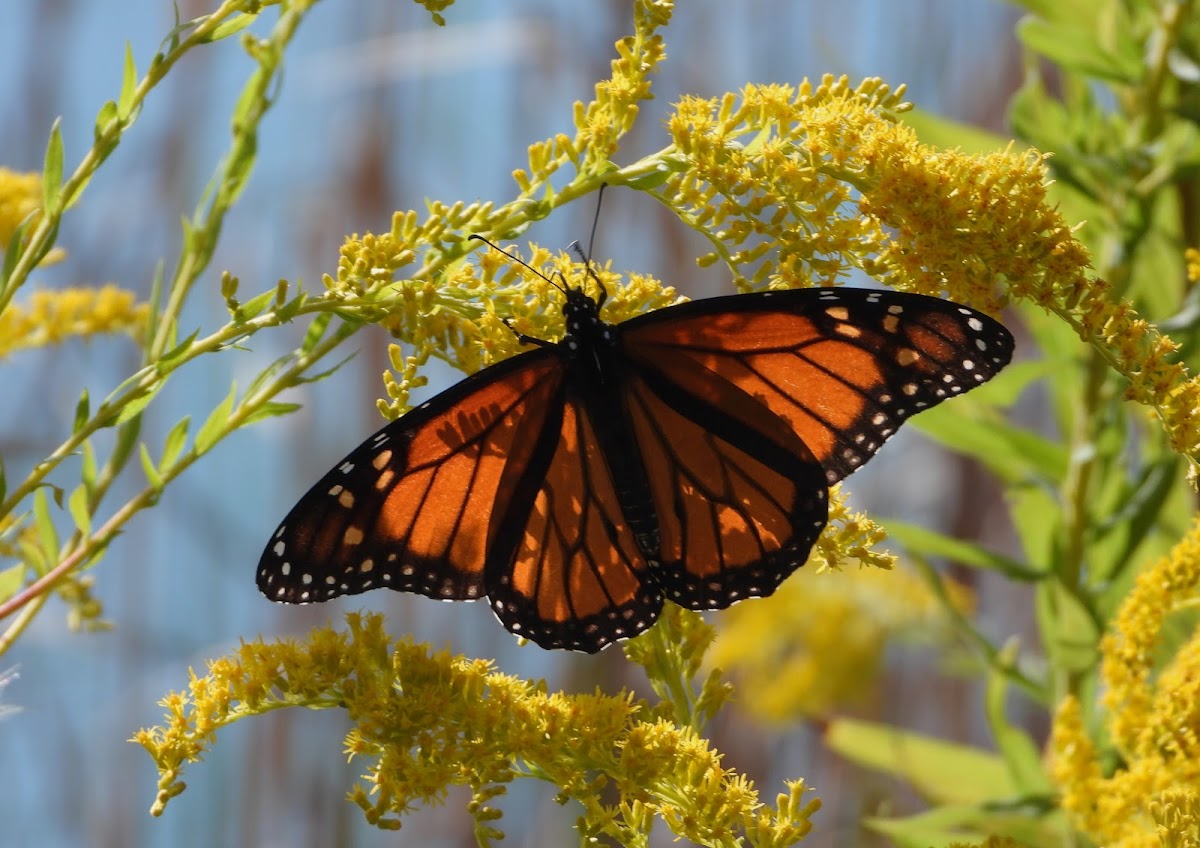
(683, 455)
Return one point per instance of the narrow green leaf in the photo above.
(152, 322)
(156, 480)
(44, 524)
(215, 425)
(77, 505)
(87, 465)
(174, 443)
(13, 251)
(11, 581)
(267, 374)
(316, 378)
(1011, 453)
(129, 77)
(127, 436)
(104, 119)
(1022, 756)
(944, 772)
(52, 171)
(168, 360)
(230, 27)
(82, 412)
(316, 331)
(931, 543)
(271, 409)
(289, 310)
(254, 306)
(134, 407)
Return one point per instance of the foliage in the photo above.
(791, 186)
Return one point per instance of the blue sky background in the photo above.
(379, 110)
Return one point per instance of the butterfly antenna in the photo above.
(595, 223)
(476, 237)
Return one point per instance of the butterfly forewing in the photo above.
(413, 507)
(841, 368)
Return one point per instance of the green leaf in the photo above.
(52, 171)
(1011, 453)
(82, 412)
(267, 374)
(1023, 757)
(44, 524)
(129, 78)
(174, 443)
(134, 408)
(11, 581)
(960, 824)
(215, 425)
(944, 772)
(127, 436)
(316, 331)
(104, 119)
(1069, 629)
(169, 360)
(254, 306)
(230, 27)
(1038, 521)
(931, 543)
(13, 251)
(1078, 50)
(156, 480)
(77, 505)
(87, 465)
(271, 409)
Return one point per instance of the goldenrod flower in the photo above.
(427, 721)
(51, 316)
(20, 195)
(1152, 720)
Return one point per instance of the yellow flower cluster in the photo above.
(20, 194)
(769, 174)
(1153, 717)
(51, 316)
(427, 721)
(818, 643)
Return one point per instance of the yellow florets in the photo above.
(426, 721)
(51, 316)
(1152, 719)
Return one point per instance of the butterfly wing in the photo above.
(416, 506)
(843, 368)
(577, 578)
(746, 407)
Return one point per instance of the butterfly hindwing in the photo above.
(577, 578)
(738, 511)
(412, 508)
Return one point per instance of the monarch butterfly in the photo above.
(684, 454)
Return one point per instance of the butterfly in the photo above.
(683, 455)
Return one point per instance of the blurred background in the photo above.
(381, 110)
